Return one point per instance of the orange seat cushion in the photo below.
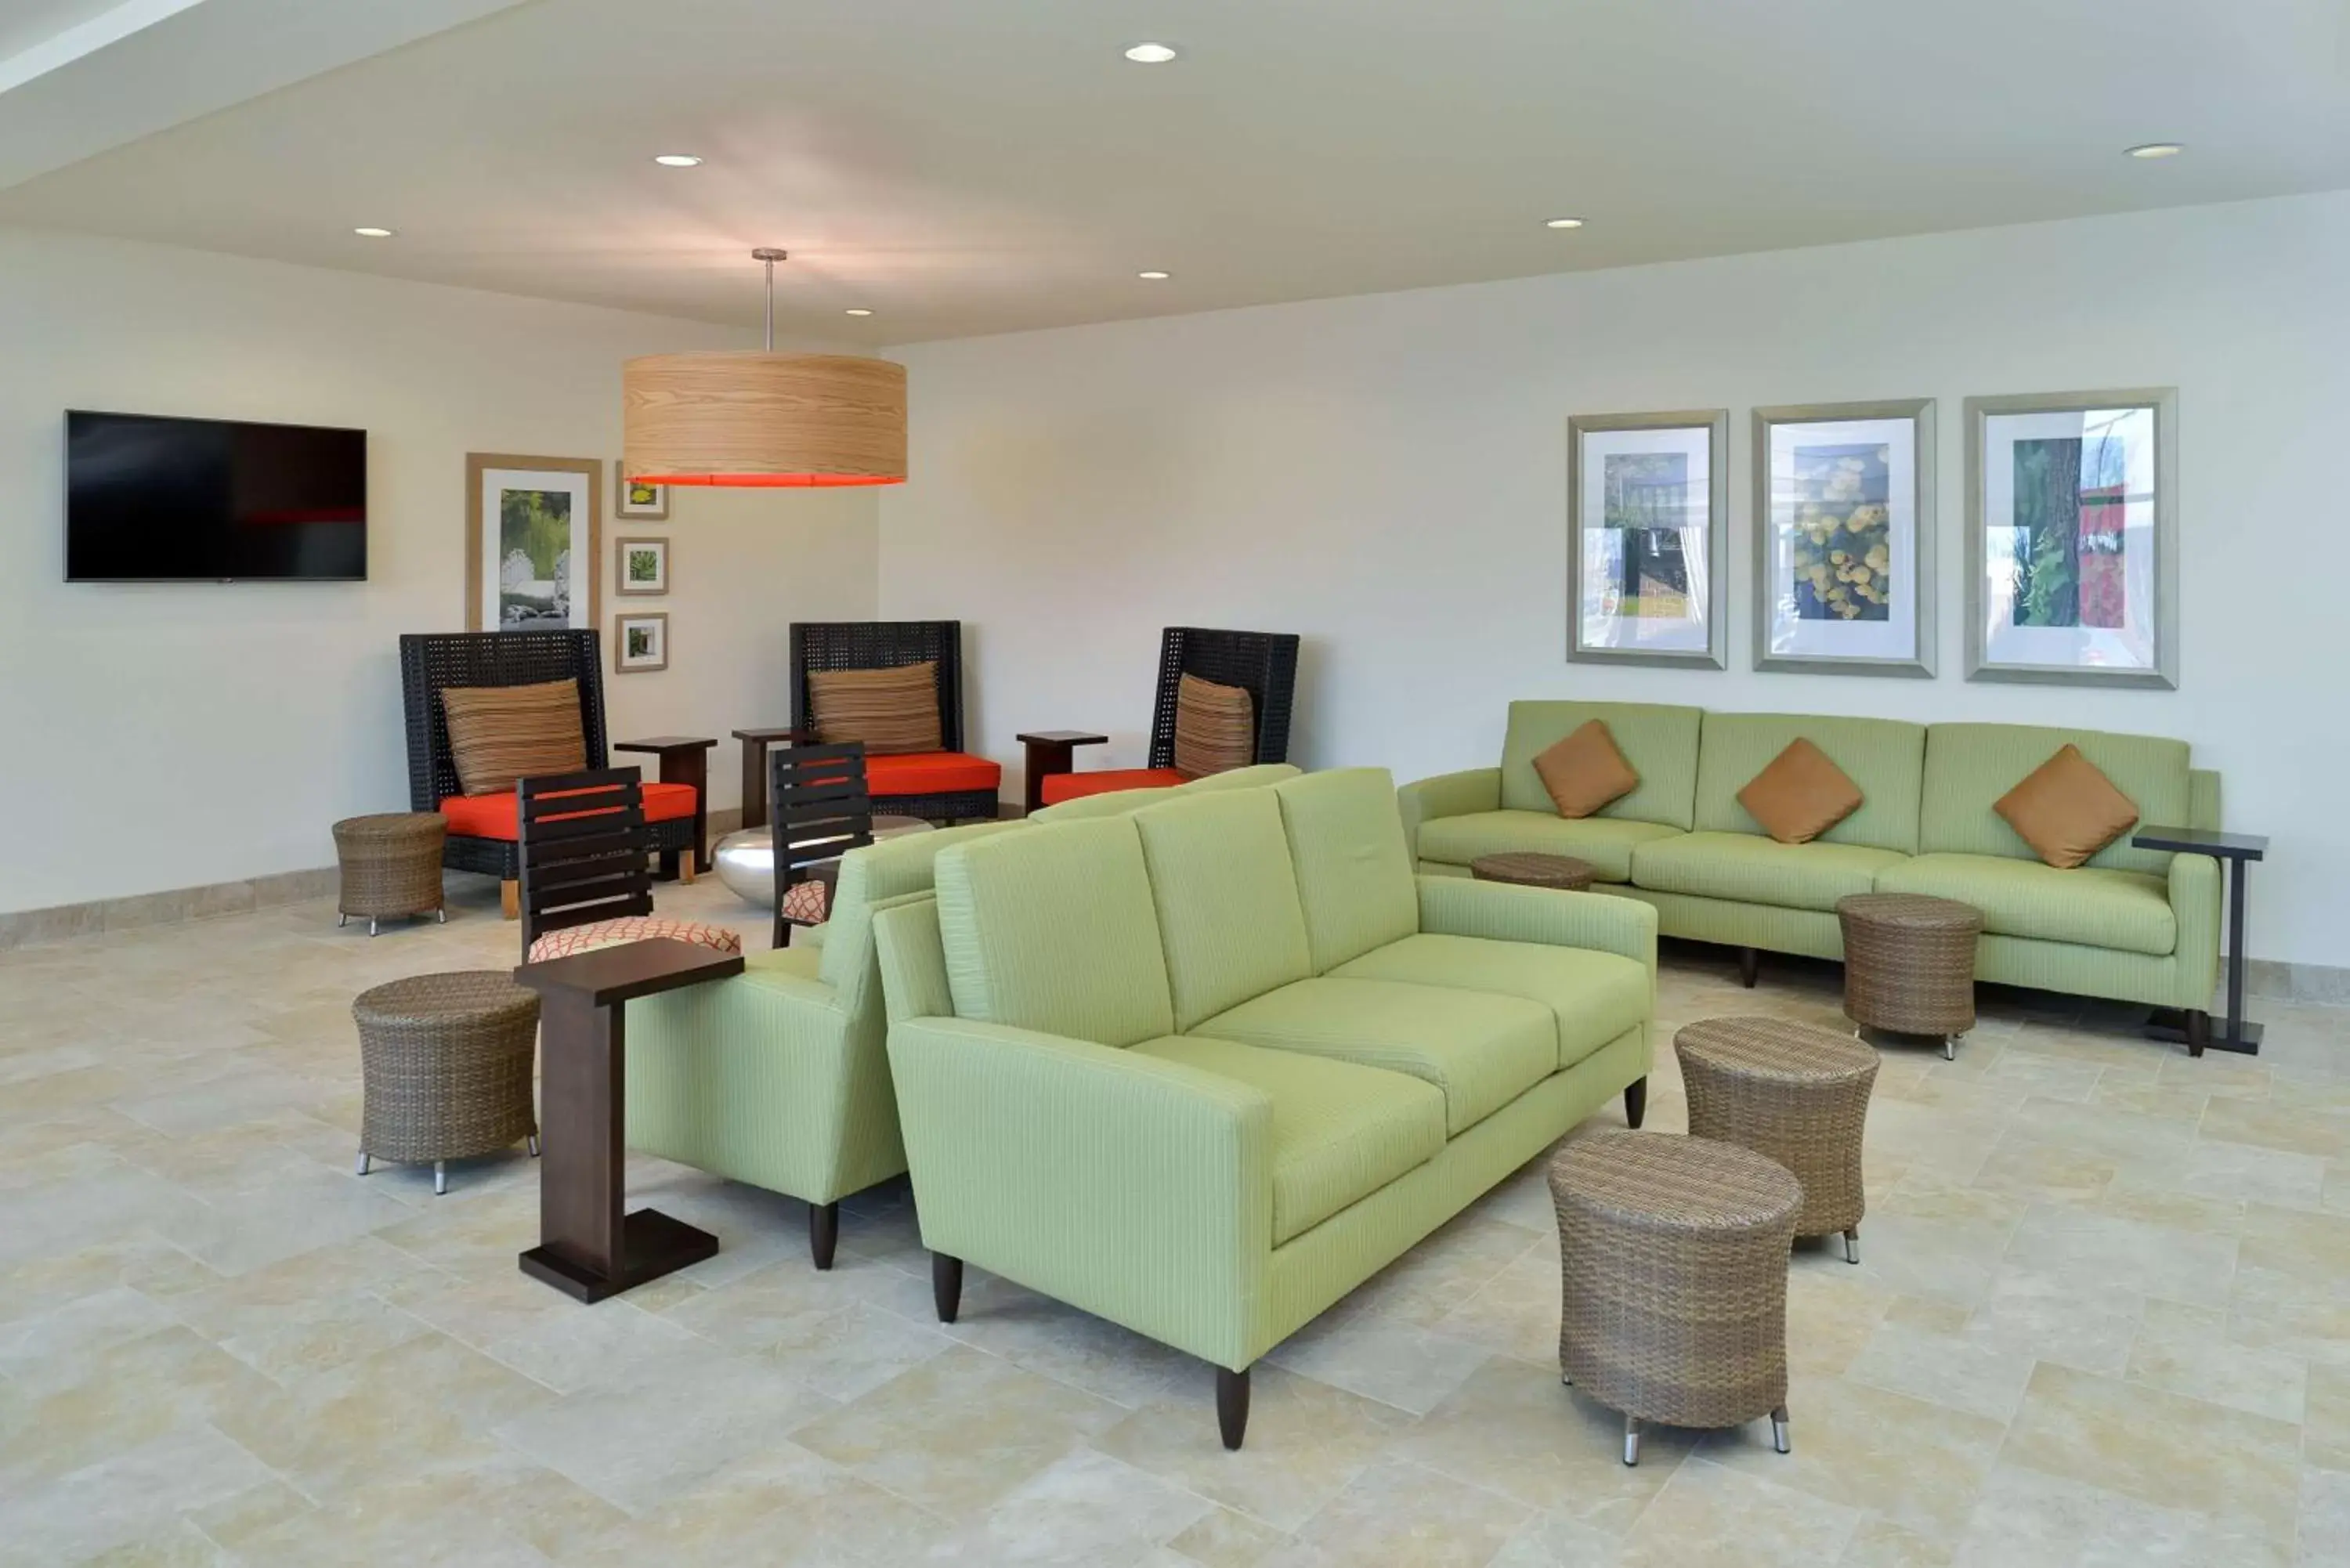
(1059, 787)
(930, 772)
(493, 816)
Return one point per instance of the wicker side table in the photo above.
(390, 865)
(1793, 1094)
(1673, 1280)
(1909, 964)
(1531, 870)
(445, 1061)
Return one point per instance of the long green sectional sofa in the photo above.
(1203, 1066)
(2131, 925)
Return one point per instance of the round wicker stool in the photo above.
(1673, 1292)
(1530, 870)
(1793, 1094)
(1909, 964)
(446, 1063)
(390, 865)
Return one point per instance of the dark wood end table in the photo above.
(2239, 850)
(1051, 752)
(756, 742)
(684, 759)
(587, 1249)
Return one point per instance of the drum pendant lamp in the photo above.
(763, 419)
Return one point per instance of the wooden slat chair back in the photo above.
(584, 849)
(821, 809)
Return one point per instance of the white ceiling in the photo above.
(965, 167)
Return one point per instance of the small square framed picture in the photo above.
(641, 568)
(635, 498)
(640, 642)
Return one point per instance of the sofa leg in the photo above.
(946, 1285)
(2198, 1031)
(1750, 967)
(1635, 1102)
(510, 899)
(1232, 1406)
(824, 1233)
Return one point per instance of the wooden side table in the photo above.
(2239, 850)
(756, 742)
(1528, 869)
(1050, 751)
(585, 1248)
(684, 759)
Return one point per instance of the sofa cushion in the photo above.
(1605, 841)
(1482, 1049)
(1339, 1132)
(1801, 794)
(1970, 766)
(1052, 928)
(498, 734)
(1229, 916)
(890, 710)
(1060, 787)
(1757, 870)
(2066, 810)
(2128, 911)
(494, 815)
(1250, 777)
(1593, 996)
(1215, 727)
(1884, 758)
(1353, 868)
(889, 869)
(930, 773)
(1659, 742)
(1584, 771)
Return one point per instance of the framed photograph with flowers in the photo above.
(634, 499)
(1844, 538)
(2073, 538)
(1648, 537)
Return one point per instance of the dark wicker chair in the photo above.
(1261, 663)
(906, 785)
(432, 661)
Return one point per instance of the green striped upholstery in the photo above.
(1606, 842)
(1447, 794)
(1696, 918)
(1229, 916)
(1593, 996)
(2126, 910)
(1113, 802)
(1660, 743)
(1970, 766)
(1254, 776)
(1884, 758)
(1502, 913)
(1339, 1132)
(889, 869)
(1354, 872)
(1755, 870)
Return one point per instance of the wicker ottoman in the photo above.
(390, 865)
(1673, 1280)
(446, 1062)
(1530, 870)
(1793, 1094)
(1909, 964)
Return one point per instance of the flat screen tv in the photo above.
(151, 499)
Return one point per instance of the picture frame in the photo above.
(2072, 526)
(639, 642)
(1647, 570)
(636, 501)
(640, 567)
(1844, 538)
(534, 542)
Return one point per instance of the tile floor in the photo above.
(2103, 1316)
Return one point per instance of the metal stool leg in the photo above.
(534, 1146)
(363, 1163)
(1779, 1429)
(1852, 1245)
(439, 1178)
(1631, 1440)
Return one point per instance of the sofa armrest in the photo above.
(1135, 1188)
(1504, 912)
(1447, 794)
(2195, 905)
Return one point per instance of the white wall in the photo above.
(161, 737)
(1387, 476)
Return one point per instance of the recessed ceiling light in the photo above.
(1564, 224)
(1155, 276)
(1150, 54)
(2157, 149)
(856, 310)
(676, 159)
(371, 234)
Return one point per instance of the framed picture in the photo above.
(641, 566)
(533, 542)
(639, 642)
(2073, 538)
(633, 498)
(1648, 537)
(1844, 538)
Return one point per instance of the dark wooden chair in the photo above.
(587, 853)
(1261, 663)
(484, 830)
(947, 785)
(820, 810)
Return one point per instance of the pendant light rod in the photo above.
(771, 256)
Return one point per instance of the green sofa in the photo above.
(1202, 1067)
(2131, 925)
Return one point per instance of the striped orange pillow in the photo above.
(891, 711)
(1215, 728)
(501, 733)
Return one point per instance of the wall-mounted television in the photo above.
(154, 499)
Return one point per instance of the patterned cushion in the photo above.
(631, 929)
(1215, 728)
(807, 903)
(891, 711)
(501, 733)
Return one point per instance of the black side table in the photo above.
(684, 759)
(1051, 752)
(2240, 850)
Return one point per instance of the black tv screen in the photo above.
(151, 499)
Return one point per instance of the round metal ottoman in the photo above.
(1909, 964)
(1793, 1094)
(1673, 1280)
(745, 860)
(390, 866)
(445, 1059)
(1530, 870)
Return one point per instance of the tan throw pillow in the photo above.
(501, 733)
(1215, 728)
(1584, 770)
(2066, 810)
(892, 710)
(1801, 794)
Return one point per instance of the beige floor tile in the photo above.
(1084, 1509)
(1222, 1537)
(2030, 1520)
(1878, 1542)
(1408, 1366)
(1406, 1514)
(2187, 1350)
(1944, 1369)
(2325, 1532)
(1710, 1516)
(594, 1346)
(1513, 1428)
(2290, 1127)
(1070, 1347)
(122, 1397)
(139, 1491)
(2105, 1252)
(1556, 1541)
(2326, 1421)
(854, 1351)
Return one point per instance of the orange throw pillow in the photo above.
(1801, 794)
(1584, 770)
(2066, 810)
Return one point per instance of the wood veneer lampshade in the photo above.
(763, 419)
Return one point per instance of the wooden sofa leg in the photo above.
(510, 899)
(946, 1285)
(1750, 967)
(824, 1233)
(1232, 1406)
(1635, 1102)
(2198, 1031)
